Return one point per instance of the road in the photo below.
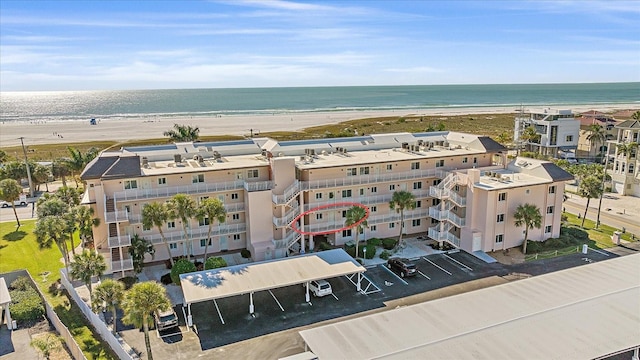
(24, 213)
(630, 223)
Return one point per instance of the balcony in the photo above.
(164, 192)
(119, 241)
(197, 233)
(446, 215)
(435, 234)
(285, 243)
(292, 191)
(439, 193)
(368, 179)
(121, 265)
(116, 216)
(258, 186)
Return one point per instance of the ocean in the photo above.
(105, 105)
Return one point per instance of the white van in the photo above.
(320, 288)
(22, 201)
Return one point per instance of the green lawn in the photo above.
(601, 235)
(19, 250)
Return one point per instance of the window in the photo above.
(203, 242)
(236, 237)
(373, 228)
(346, 193)
(203, 222)
(252, 174)
(235, 217)
(630, 168)
(502, 196)
(417, 185)
(552, 189)
(435, 202)
(569, 138)
(527, 192)
(331, 195)
(475, 160)
(361, 192)
(373, 209)
(499, 238)
(456, 188)
(318, 196)
(500, 218)
(389, 167)
(202, 198)
(197, 178)
(173, 246)
(364, 170)
(440, 163)
(465, 160)
(433, 221)
(374, 189)
(346, 233)
(549, 209)
(415, 166)
(171, 224)
(130, 184)
(344, 213)
(392, 187)
(319, 216)
(418, 203)
(234, 196)
(547, 229)
(415, 222)
(162, 181)
(392, 225)
(352, 171)
(146, 228)
(436, 182)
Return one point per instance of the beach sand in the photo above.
(60, 132)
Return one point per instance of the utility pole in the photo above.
(604, 178)
(26, 163)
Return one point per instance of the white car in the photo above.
(320, 288)
(20, 202)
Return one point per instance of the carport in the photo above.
(266, 275)
(5, 300)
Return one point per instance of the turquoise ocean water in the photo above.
(82, 105)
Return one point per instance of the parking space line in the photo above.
(277, 302)
(434, 264)
(458, 262)
(394, 274)
(334, 295)
(420, 272)
(218, 309)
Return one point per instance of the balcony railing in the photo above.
(435, 234)
(201, 188)
(121, 265)
(288, 240)
(119, 241)
(258, 185)
(446, 215)
(289, 193)
(198, 233)
(368, 179)
(116, 216)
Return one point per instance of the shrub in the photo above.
(214, 262)
(22, 283)
(128, 281)
(199, 265)
(374, 242)
(182, 266)
(371, 251)
(324, 246)
(574, 233)
(388, 243)
(26, 305)
(166, 279)
(534, 246)
(245, 253)
(385, 255)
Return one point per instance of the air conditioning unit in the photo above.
(177, 158)
(145, 162)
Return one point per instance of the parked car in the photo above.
(402, 266)
(22, 201)
(166, 319)
(320, 288)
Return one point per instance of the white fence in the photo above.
(117, 344)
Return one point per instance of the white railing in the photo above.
(201, 188)
(288, 240)
(289, 193)
(121, 265)
(448, 215)
(435, 234)
(236, 207)
(258, 185)
(119, 241)
(196, 234)
(116, 216)
(287, 218)
(367, 179)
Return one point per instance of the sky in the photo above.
(117, 45)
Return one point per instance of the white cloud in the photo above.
(415, 69)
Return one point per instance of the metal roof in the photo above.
(241, 279)
(580, 313)
(5, 298)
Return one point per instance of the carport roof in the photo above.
(265, 275)
(581, 313)
(5, 298)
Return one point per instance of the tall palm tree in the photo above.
(401, 201)
(530, 135)
(354, 215)
(83, 215)
(140, 302)
(87, 265)
(10, 191)
(183, 207)
(636, 115)
(529, 216)
(182, 133)
(109, 293)
(627, 150)
(211, 208)
(590, 187)
(597, 135)
(157, 214)
(50, 230)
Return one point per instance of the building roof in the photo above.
(97, 167)
(5, 298)
(125, 167)
(579, 313)
(265, 275)
(629, 124)
(490, 145)
(556, 172)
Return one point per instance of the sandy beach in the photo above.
(60, 132)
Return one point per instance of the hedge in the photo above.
(214, 262)
(181, 266)
(26, 305)
(388, 243)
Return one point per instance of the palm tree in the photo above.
(636, 115)
(627, 150)
(401, 201)
(182, 206)
(87, 265)
(140, 302)
(590, 187)
(107, 295)
(182, 133)
(50, 230)
(210, 208)
(83, 215)
(47, 344)
(597, 135)
(529, 216)
(60, 169)
(10, 191)
(354, 216)
(530, 135)
(79, 160)
(139, 247)
(157, 214)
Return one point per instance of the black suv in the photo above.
(402, 266)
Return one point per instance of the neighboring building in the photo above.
(465, 192)
(587, 149)
(625, 175)
(558, 131)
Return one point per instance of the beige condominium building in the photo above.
(625, 174)
(465, 189)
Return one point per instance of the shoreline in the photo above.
(147, 127)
